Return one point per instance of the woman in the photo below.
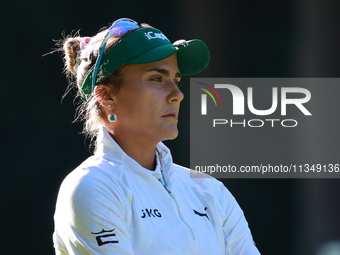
(129, 197)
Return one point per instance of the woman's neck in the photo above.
(143, 152)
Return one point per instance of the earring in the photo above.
(112, 117)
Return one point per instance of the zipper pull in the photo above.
(172, 195)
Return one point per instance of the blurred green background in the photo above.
(41, 145)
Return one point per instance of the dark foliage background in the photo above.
(40, 145)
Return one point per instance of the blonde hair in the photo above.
(89, 111)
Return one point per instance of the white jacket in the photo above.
(112, 205)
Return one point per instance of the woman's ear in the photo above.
(102, 94)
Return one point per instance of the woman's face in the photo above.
(147, 104)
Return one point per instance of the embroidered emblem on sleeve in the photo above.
(106, 238)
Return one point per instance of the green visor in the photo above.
(144, 46)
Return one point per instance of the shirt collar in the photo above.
(110, 150)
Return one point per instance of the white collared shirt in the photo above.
(112, 205)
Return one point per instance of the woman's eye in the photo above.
(156, 79)
(178, 83)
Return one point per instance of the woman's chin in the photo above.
(171, 134)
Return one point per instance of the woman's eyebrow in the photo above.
(164, 72)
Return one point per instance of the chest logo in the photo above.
(202, 214)
(151, 213)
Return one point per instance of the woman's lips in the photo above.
(173, 115)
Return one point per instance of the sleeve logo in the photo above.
(106, 238)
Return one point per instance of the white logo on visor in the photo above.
(151, 35)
